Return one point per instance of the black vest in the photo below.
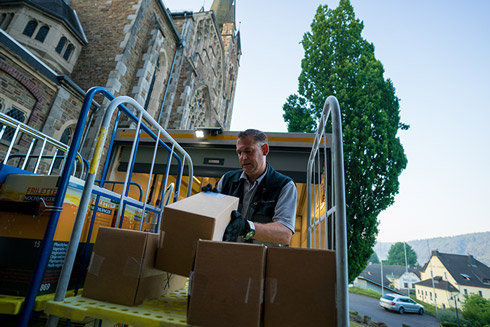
(264, 201)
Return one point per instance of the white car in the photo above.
(400, 304)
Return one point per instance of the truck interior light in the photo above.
(203, 131)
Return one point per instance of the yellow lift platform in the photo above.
(10, 304)
(167, 310)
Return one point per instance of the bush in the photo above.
(448, 318)
(476, 310)
(449, 324)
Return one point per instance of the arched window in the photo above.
(61, 45)
(41, 34)
(68, 51)
(30, 28)
(17, 115)
(65, 137)
(5, 20)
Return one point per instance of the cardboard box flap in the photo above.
(204, 204)
(201, 216)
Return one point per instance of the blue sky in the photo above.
(437, 53)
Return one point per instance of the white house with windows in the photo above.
(396, 279)
(401, 277)
(447, 277)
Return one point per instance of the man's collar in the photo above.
(259, 179)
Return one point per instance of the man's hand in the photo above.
(238, 226)
(209, 188)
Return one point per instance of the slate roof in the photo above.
(439, 283)
(396, 271)
(57, 8)
(372, 274)
(465, 269)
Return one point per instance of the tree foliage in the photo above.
(374, 258)
(338, 61)
(396, 255)
(476, 310)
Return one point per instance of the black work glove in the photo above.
(209, 188)
(238, 226)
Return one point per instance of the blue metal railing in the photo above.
(47, 243)
(145, 123)
(44, 143)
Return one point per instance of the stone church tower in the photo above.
(208, 68)
(182, 67)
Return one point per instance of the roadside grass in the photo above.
(362, 291)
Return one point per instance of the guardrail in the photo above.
(28, 149)
(145, 124)
(322, 215)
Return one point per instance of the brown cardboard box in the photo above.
(300, 288)
(201, 216)
(226, 286)
(122, 267)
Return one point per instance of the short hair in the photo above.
(259, 136)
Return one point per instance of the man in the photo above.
(267, 207)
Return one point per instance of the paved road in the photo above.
(368, 306)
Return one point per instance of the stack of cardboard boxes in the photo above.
(139, 265)
(231, 284)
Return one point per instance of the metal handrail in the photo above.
(138, 186)
(337, 210)
(160, 139)
(23, 129)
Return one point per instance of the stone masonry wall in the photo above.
(37, 95)
(104, 23)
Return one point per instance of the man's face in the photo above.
(251, 156)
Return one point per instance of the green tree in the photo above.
(373, 258)
(476, 310)
(396, 255)
(338, 61)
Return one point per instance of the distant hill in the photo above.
(476, 244)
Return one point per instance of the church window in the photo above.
(42, 33)
(66, 136)
(68, 51)
(17, 115)
(30, 28)
(5, 20)
(5, 24)
(61, 45)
